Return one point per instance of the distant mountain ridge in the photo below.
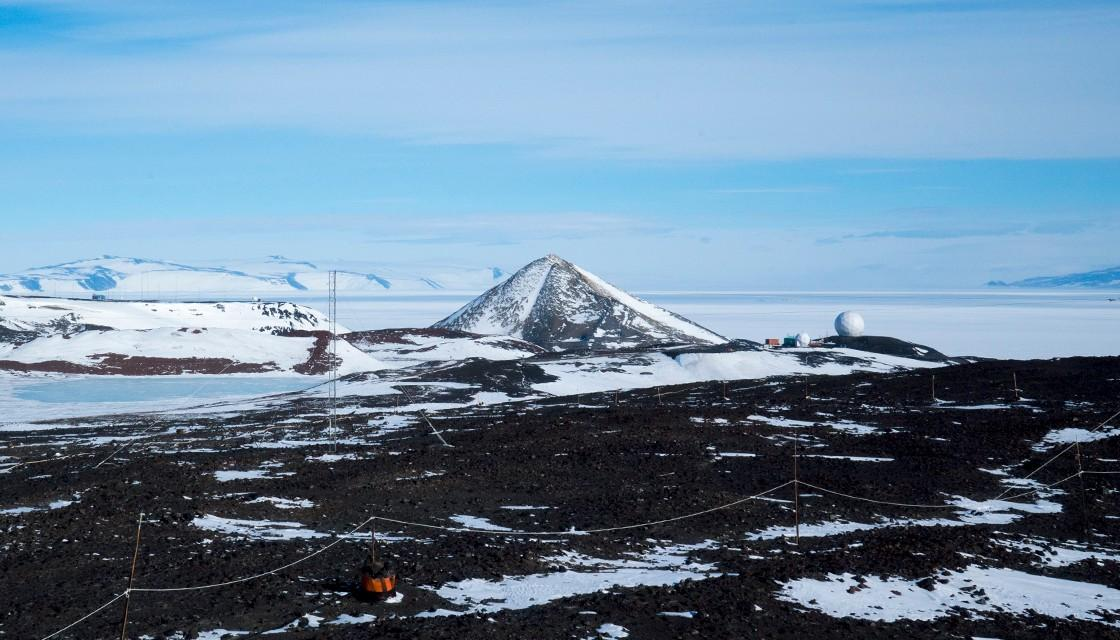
(556, 305)
(1102, 278)
(274, 275)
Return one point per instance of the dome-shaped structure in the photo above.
(849, 324)
(803, 340)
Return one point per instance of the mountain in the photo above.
(49, 317)
(117, 276)
(1103, 278)
(148, 338)
(555, 304)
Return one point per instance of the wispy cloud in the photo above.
(718, 80)
(767, 190)
(958, 232)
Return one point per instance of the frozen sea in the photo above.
(991, 323)
(1000, 324)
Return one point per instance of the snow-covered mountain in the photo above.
(50, 316)
(1103, 278)
(118, 276)
(557, 305)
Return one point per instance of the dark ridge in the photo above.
(888, 346)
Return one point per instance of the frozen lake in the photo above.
(57, 397)
(992, 323)
(150, 388)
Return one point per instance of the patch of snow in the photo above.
(255, 529)
(219, 634)
(481, 524)
(1070, 435)
(612, 631)
(976, 589)
(1058, 555)
(661, 566)
(849, 458)
(226, 475)
(284, 503)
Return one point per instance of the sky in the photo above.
(702, 145)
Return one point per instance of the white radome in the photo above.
(803, 340)
(849, 324)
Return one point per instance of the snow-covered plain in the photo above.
(989, 323)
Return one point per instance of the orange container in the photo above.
(379, 586)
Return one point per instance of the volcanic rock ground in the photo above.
(653, 455)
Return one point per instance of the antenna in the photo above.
(332, 385)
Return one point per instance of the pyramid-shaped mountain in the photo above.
(559, 306)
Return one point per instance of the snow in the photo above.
(332, 457)
(661, 566)
(275, 275)
(551, 288)
(421, 348)
(481, 524)
(992, 323)
(511, 305)
(1070, 435)
(976, 589)
(973, 407)
(284, 503)
(1001, 323)
(241, 345)
(968, 512)
(595, 374)
(238, 331)
(761, 364)
(776, 421)
(253, 474)
(815, 530)
(311, 621)
(39, 313)
(612, 631)
(1004, 324)
(219, 634)
(55, 504)
(1059, 555)
(346, 618)
(255, 529)
(656, 313)
(849, 458)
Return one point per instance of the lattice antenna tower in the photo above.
(332, 384)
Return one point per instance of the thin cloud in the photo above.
(724, 81)
(766, 190)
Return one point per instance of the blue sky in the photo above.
(702, 145)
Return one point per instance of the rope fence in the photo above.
(1006, 496)
(339, 538)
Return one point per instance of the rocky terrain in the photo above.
(663, 512)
